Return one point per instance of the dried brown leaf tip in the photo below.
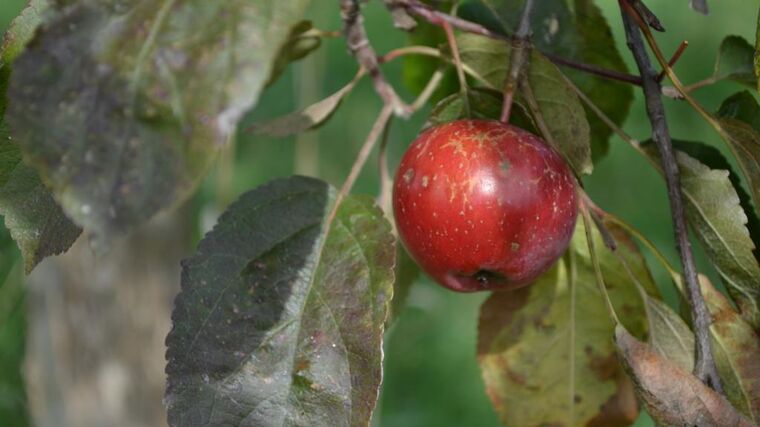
(671, 395)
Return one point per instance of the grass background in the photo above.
(432, 377)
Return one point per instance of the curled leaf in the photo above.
(309, 118)
(672, 396)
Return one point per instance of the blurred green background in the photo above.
(431, 374)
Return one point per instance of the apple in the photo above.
(481, 205)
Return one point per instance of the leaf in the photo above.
(300, 43)
(280, 322)
(559, 105)
(714, 212)
(573, 30)
(136, 99)
(547, 357)
(736, 346)
(670, 337)
(17, 35)
(484, 104)
(741, 106)
(309, 118)
(34, 220)
(735, 61)
(671, 395)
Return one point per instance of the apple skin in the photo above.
(481, 205)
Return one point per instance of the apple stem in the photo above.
(517, 61)
(458, 65)
(704, 367)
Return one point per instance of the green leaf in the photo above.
(669, 336)
(736, 346)
(308, 118)
(573, 30)
(546, 350)
(559, 105)
(484, 104)
(300, 43)
(133, 120)
(741, 106)
(281, 315)
(35, 221)
(735, 61)
(672, 396)
(714, 212)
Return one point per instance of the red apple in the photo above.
(481, 205)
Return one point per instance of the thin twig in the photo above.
(595, 262)
(374, 134)
(458, 65)
(704, 368)
(436, 17)
(386, 181)
(359, 46)
(517, 60)
(673, 59)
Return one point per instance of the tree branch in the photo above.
(435, 17)
(361, 49)
(704, 367)
(518, 58)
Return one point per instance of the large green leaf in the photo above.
(546, 350)
(672, 396)
(280, 321)
(714, 212)
(559, 105)
(137, 97)
(35, 221)
(573, 30)
(735, 61)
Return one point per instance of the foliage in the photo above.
(116, 110)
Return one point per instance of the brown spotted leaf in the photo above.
(546, 350)
(737, 349)
(282, 310)
(672, 396)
